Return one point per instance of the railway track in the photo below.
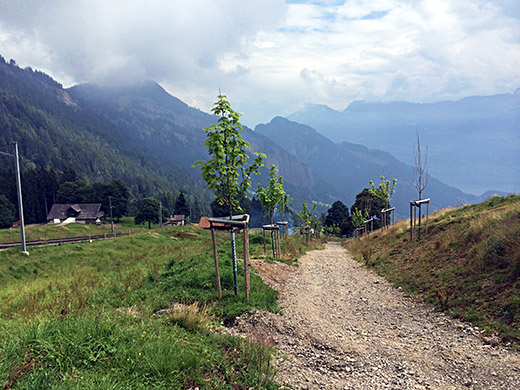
(59, 241)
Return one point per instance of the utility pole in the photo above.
(19, 191)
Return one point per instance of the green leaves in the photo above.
(274, 195)
(227, 172)
(306, 214)
(384, 191)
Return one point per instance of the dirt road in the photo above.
(344, 327)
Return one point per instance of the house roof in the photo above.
(176, 218)
(86, 211)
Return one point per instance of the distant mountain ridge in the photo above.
(473, 143)
(348, 167)
(150, 139)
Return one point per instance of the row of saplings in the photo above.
(228, 174)
(368, 206)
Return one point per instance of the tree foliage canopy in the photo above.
(148, 212)
(384, 191)
(273, 196)
(336, 214)
(227, 172)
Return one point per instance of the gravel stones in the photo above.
(344, 327)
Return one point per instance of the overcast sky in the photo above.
(271, 57)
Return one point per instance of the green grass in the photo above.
(467, 265)
(51, 231)
(81, 315)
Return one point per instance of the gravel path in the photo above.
(344, 327)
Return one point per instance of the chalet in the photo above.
(79, 213)
(175, 220)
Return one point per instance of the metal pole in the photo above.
(20, 202)
(234, 255)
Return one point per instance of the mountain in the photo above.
(55, 130)
(473, 143)
(150, 139)
(166, 126)
(348, 167)
(138, 133)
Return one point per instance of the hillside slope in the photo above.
(468, 264)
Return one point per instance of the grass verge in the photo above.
(81, 315)
(468, 265)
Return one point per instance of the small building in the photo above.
(79, 213)
(175, 220)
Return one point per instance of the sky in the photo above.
(272, 57)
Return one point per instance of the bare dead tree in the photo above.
(420, 173)
(420, 168)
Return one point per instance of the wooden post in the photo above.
(427, 214)
(279, 244)
(246, 261)
(215, 256)
(411, 225)
(263, 231)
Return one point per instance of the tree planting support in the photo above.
(275, 239)
(233, 225)
(414, 205)
(285, 225)
(384, 218)
(371, 222)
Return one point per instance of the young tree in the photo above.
(227, 172)
(384, 191)
(148, 212)
(273, 196)
(420, 169)
(305, 214)
(359, 217)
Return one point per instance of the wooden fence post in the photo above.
(215, 256)
(246, 261)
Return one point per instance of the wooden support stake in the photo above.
(265, 252)
(246, 262)
(279, 244)
(427, 214)
(215, 256)
(411, 226)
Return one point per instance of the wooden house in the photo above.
(78, 213)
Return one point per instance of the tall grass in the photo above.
(81, 315)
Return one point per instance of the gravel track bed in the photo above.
(344, 327)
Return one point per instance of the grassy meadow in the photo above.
(50, 231)
(81, 315)
(467, 265)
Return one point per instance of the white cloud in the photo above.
(270, 57)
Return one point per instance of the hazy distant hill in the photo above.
(150, 139)
(473, 143)
(348, 167)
